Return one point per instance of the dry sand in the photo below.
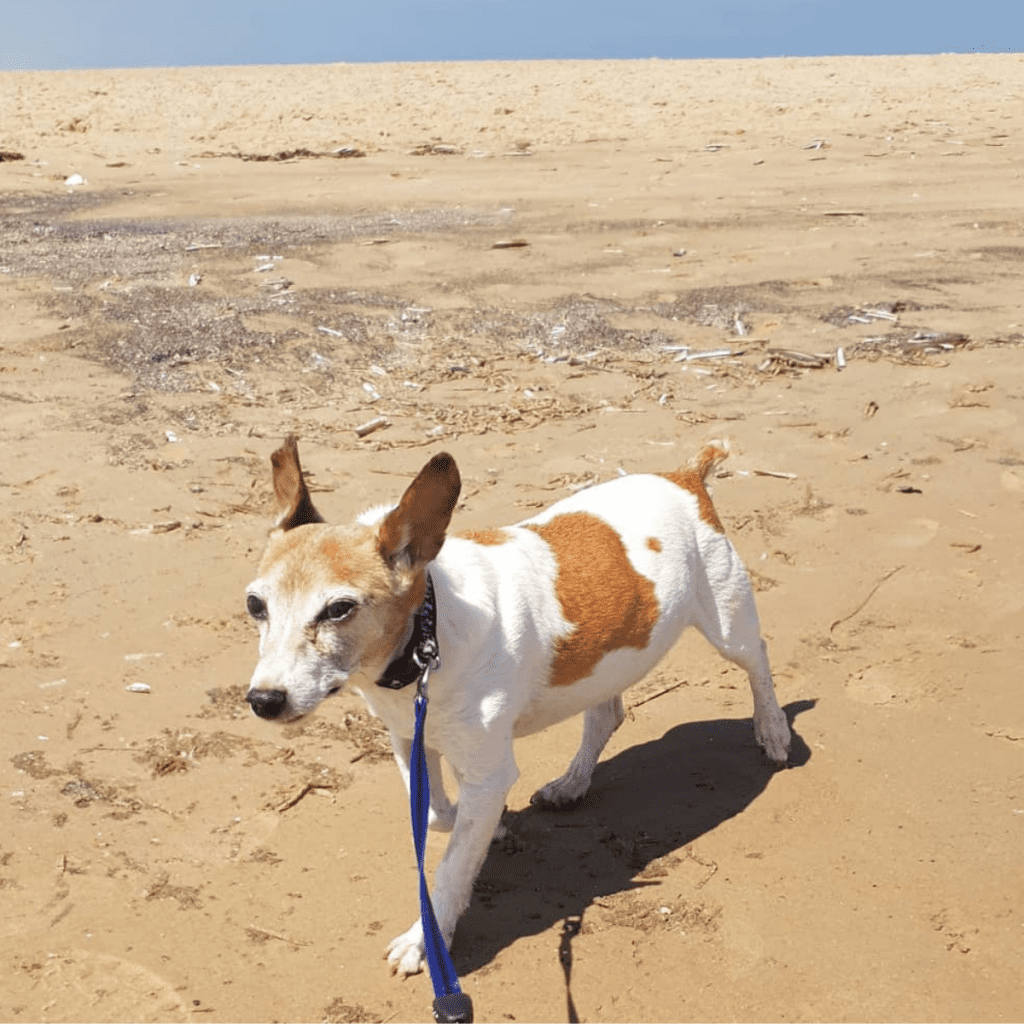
(164, 856)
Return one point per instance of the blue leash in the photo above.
(451, 1004)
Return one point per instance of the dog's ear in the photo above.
(294, 506)
(414, 532)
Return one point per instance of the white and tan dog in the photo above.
(536, 622)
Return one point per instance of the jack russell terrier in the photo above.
(535, 622)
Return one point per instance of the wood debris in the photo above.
(379, 423)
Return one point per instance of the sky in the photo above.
(80, 34)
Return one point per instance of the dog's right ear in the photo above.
(294, 506)
(412, 533)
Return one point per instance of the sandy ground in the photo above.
(512, 262)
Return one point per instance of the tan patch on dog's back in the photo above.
(610, 604)
(490, 537)
(653, 543)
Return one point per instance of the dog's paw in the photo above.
(407, 953)
(771, 731)
(559, 793)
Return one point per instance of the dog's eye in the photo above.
(337, 610)
(256, 606)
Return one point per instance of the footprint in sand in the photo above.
(1012, 481)
(76, 985)
(877, 684)
(915, 533)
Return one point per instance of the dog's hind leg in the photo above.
(599, 723)
(728, 619)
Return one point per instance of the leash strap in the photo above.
(451, 1004)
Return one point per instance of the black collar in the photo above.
(420, 651)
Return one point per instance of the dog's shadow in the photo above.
(644, 803)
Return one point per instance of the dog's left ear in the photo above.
(294, 506)
(414, 532)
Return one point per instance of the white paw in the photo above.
(559, 792)
(407, 954)
(771, 730)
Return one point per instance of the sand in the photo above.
(510, 262)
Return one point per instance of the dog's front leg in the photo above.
(441, 816)
(478, 813)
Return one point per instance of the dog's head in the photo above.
(334, 602)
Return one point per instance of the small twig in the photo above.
(710, 865)
(660, 693)
(265, 933)
(293, 800)
(891, 572)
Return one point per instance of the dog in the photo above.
(535, 622)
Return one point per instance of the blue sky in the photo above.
(66, 34)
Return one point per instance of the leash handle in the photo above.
(450, 1002)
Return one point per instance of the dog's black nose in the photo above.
(267, 703)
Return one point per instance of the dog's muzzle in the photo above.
(267, 703)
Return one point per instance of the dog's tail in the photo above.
(712, 455)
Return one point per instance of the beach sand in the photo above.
(512, 262)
